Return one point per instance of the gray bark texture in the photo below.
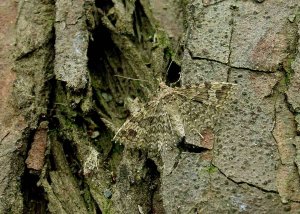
(75, 70)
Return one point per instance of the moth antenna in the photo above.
(177, 50)
(130, 78)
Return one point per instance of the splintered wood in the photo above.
(36, 155)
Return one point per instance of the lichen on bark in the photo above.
(77, 64)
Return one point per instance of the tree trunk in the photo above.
(166, 69)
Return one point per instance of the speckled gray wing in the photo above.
(147, 129)
(176, 113)
(201, 111)
(215, 93)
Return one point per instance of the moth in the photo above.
(174, 114)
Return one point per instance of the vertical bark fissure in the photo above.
(107, 53)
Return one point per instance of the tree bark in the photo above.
(83, 68)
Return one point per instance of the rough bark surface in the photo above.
(83, 67)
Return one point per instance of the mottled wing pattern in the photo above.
(221, 94)
(175, 113)
(202, 111)
(147, 129)
(188, 113)
(216, 93)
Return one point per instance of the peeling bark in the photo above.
(83, 67)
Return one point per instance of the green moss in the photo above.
(169, 53)
(288, 70)
(107, 207)
(116, 156)
(211, 169)
(88, 198)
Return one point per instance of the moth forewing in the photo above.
(175, 113)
